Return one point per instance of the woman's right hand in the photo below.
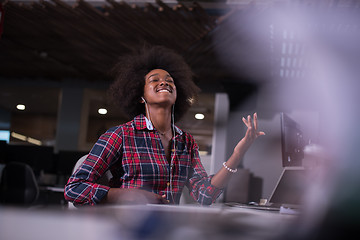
(133, 196)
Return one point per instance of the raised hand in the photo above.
(251, 133)
(222, 177)
(252, 128)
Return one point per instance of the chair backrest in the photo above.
(104, 180)
(18, 184)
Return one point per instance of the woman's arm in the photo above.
(221, 178)
(132, 196)
(82, 187)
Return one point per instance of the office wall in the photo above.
(263, 159)
(36, 126)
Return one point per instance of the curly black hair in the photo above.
(130, 71)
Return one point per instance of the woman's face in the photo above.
(159, 87)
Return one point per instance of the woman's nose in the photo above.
(164, 83)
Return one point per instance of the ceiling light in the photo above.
(102, 111)
(18, 136)
(20, 107)
(199, 116)
(34, 141)
(25, 138)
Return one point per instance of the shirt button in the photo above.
(168, 184)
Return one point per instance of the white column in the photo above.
(69, 118)
(221, 114)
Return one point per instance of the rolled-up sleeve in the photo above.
(81, 188)
(199, 183)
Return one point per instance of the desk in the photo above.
(52, 189)
(51, 196)
(196, 222)
(143, 222)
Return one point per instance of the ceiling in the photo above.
(56, 40)
(224, 42)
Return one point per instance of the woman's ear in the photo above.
(143, 100)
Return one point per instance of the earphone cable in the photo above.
(173, 154)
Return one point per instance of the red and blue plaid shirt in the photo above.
(134, 154)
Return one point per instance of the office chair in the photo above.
(104, 180)
(18, 185)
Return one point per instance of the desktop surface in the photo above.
(144, 222)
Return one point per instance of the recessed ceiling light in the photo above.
(199, 116)
(20, 107)
(102, 111)
(18, 136)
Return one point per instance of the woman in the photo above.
(151, 159)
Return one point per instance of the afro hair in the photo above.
(130, 71)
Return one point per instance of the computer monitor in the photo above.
(292, 142)
(290, 187)
(5, 135)
(66, 161)
(39, 158)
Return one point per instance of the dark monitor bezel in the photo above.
(292, 142)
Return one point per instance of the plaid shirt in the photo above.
(134, 154)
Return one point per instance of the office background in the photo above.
(55, 58)
(298, 57)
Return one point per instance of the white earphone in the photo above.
(174, 148)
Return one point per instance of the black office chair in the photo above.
(18, 185)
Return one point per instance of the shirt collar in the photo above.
(141, 123)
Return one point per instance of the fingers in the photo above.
(255, 121)
(247, 121)
(163, 199)
(261, 133)
(252, 123)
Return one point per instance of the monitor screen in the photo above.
(292, 142)
(66, 161)
(5, 135)
(39, 158)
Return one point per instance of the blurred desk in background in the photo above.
(51, 196)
